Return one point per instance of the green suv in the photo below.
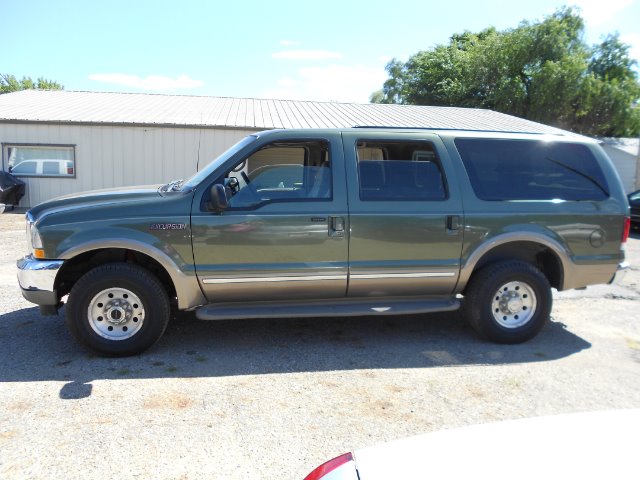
(317, 223)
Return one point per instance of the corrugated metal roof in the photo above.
(247, 113)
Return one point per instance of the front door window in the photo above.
(283, 172)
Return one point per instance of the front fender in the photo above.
(170, 249)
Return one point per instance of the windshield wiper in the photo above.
(582, 174)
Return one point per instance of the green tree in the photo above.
(377, 96)
(9, 83)
(611, 60)
(541, 71)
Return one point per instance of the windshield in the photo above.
(206, 171)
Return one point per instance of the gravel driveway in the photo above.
(271, 399)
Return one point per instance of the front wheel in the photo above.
(117, 309)
(508, 302)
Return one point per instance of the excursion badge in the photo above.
(168, 226)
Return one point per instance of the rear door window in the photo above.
(399, 171)
(532, 170)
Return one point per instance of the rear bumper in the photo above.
(37, 279)
(622, 270)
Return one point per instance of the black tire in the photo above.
(498, 309)
(117, 309)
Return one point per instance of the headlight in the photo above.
(34, 241)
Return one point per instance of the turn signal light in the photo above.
(38, 253)
(326, 468)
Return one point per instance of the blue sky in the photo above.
(328, 50)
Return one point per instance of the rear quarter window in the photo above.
(531, 170)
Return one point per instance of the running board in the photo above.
(327, 308)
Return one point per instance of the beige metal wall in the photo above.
(114, 156)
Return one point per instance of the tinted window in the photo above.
(400, 171)
(277, 176)
(24, 168)
(531, 170)
(296, 171)
(50, 168)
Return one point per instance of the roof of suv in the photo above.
(561, 135)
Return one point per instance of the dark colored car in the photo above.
(634, 203)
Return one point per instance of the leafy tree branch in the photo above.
(542, 71)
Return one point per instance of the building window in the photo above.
(40, 160)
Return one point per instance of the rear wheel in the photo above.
(508, 302)
(117, 309)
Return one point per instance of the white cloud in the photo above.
(306, 55)
(151, 82)
(330, 83)
(598, 12)
(289, 43)
(287, 82)
(633, 39)
(385, 59)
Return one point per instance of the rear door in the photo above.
(405, 214)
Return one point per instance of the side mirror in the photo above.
(219, 200)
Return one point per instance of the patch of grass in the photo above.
(540, 354)
(171, 369)
(201, 359)
(123, 371)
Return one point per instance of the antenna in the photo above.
(199, 138)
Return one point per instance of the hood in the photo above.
(582, 445)
(110, 196)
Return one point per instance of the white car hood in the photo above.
(601, 445)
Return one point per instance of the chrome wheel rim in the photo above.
(513, 304)
(116, 314)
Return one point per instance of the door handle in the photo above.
(453, 224)
(336, 226)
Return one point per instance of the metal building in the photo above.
(62, 142)
(625, 155)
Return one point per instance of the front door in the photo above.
(285, 233)
(406, 215)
